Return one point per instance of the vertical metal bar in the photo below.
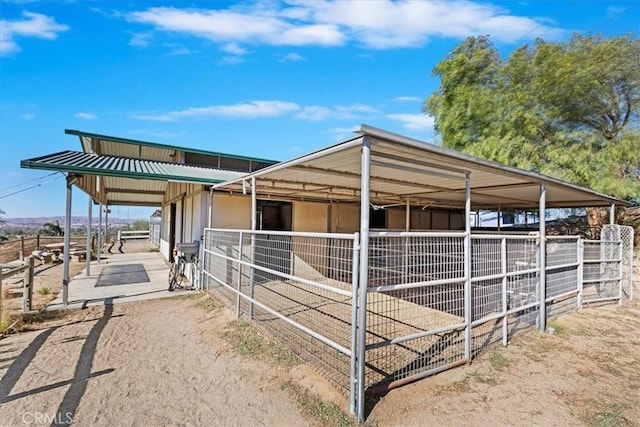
(620, 280)
(239, 275)
(468, 295)
(407, 240)
(106, 225)
(580, 272)
(67, 234)
(631, 265)
(612, 214)
(354, 322)
(89, 229)
(505, 302)
(365, 173)
(100, 235)
(543, 258)
(499, 217)
(254, 207)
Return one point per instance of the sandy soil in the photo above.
(152, 363)
(165, 362)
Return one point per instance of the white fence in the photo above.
(431, 301)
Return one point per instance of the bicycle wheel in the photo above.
(176, 274)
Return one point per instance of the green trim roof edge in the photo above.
(37, 163)
(165, 146)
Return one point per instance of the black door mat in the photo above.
(123, 274)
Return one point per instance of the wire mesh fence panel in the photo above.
(601, 270)
(415, 305)
(562, 274)
(625, 234)
(288, 284)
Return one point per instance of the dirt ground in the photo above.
(166, 362)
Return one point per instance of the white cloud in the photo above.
(374, 24)
(413, 121)
(140, 39)
(85, 116)
(614, 12)
(253, 109)
(270, 108)
(344, 133)
(29, 116)
(234, 49)
(32, 25)
(292, 57)
(408, 99)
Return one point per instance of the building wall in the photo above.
(345, 218)
(310, 217)
(231, 211)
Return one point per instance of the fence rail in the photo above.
(428, 306)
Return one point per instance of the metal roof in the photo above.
(116, 146)
(404, 168)
(124, 180)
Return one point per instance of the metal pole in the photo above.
(365, 173)
(106, 226)
(580, 272)
(612, 214)
(354, 322)
(543, 258)
(89, 229)
(67, 234)
(499, 217)
(254, 208)
(620, 278)
(468, 295)
(100, 235)
(505, 301)
(239, 275)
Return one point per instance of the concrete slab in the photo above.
(122, 274)
(83, 291)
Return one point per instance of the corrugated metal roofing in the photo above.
(125, 181)
(403, 168)
(116, 146)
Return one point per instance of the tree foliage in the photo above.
(570, 110)
(51, 229)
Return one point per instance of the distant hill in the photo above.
(75, 220)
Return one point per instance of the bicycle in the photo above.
(179, 278)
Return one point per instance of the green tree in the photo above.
(140, 225)
(570, 110)
(51, 229)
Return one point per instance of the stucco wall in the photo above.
(231, 212)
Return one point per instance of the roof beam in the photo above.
(131, 191)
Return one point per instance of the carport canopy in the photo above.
(126, 172)
(406, 170)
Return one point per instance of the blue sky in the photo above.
(266, 79)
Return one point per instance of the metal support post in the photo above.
(254, 208)
(468, 294)
(612, 214)
(67, 234)
(505, 299)
(100, 235)
(580, 272)
(543, 258)
(354, 323)
(239, 288)
(365, 173)
(89, 229)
